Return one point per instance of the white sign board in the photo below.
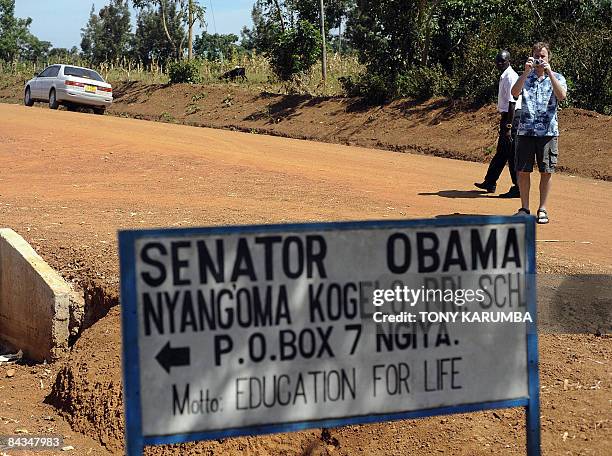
(246, 330)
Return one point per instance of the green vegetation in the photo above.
(184, 71)
(106, 37)
(295, 51)
(388, 49)
(16, 41)
(447, 47)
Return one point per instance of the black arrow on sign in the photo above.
(173, 357)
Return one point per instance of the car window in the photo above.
(53, 71)
(45, 72)
(82, 73)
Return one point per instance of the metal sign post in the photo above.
(247, 330)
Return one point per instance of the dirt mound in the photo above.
(439, 127)
(88, 393)
(88, 388)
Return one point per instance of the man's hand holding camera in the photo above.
(546, 67)
(533, 63)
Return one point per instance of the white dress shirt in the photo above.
(504, 96)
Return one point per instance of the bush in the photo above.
(423, 83)
(184, 72)
(583, 60)
(420, 83)
(296, 51)
(372, 88)
(475, 74)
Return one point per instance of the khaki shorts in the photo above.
(544, 149)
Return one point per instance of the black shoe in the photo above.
(490, 188)
(514, 192)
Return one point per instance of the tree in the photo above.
(265, 30)
(150, 40)
(309, 10)
(296, 50)
(16, 41)
(33, 49)
(274, 17)
(215, 46)
(287, 31)
(64, 55)
(442, 47)
(184, 12)
(107, 35)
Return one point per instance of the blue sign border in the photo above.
(135, 441)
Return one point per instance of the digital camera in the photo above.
(537, 62)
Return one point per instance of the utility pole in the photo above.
(340, 37)
(324, 45)
(190, 43)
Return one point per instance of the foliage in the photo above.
(63, 54)
(264, 31)
(16, 41)
(423, 82)
(588, 68)
(273, 17)
(405, 43)
(107, 35)
(385, 34)
(370, 86)
(150, 39)
(309, 10)
(296, 50)
(288, 32)
(176, 19)
(215, 46)
(184, 71)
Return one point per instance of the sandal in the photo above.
(523, 211)
(542, 217)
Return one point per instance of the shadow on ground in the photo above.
(457, 194)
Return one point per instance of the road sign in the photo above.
(245, 330)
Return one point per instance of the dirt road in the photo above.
(97, 174)
(69, 181)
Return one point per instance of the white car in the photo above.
(71, 86)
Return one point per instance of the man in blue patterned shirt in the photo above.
(541, 90)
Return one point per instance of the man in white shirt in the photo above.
(510, 113)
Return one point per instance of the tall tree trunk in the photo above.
(280, 16)
(191, 22)
(162, 4)
(426, 10)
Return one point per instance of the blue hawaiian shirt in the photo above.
(539, 113)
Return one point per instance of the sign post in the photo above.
(246, 330)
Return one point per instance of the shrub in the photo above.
(296, 50)
(184, 72)
(583, 60)
(372, 88)
(422, 83)
(476, 77)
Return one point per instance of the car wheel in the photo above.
(53, 103)
(27, 98)
(99, 111)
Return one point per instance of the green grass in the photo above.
(259, 74)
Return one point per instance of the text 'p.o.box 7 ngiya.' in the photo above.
(232, 331)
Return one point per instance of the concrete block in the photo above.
(36, 303)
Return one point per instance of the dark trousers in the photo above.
(504, 155)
